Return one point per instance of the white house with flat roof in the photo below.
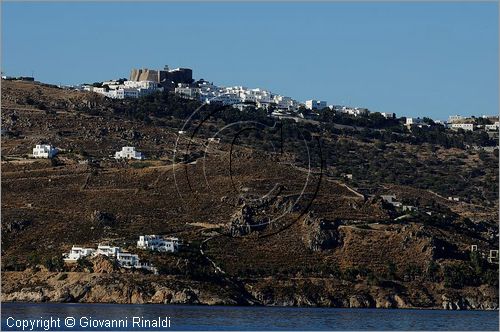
(76, 253)
(158, 243)
(128, 152)
(44, 151)
(107, 250)
(464, 126)
(492, 127)
(126, 259)
(314, 104)
(388, 115)
(391, 199)
(413, 121)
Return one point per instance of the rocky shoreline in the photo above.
(136, 288)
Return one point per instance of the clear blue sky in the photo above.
(414, 59)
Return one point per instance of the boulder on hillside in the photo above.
(15, 225)
(245, 221)
(103, 218)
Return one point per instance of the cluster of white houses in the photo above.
(314, 104)
(123, 258)
(117, 89)
(145, 81)
(238, 96)
(241, 97)
(459, 122)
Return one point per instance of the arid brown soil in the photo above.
(257, 229)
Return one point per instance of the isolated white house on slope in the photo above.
(128, 152)
(44, 151)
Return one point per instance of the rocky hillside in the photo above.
(267, 216)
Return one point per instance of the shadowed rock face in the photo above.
(255, 215)
(244, 221)
(15, 226)
(320, 235)
(103, 218)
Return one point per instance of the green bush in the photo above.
(83, 264)
(140, 164)
(433, 272)
(458, 275)
(55, 263)
(391, 271)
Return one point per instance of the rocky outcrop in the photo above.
(114, 287)
(361, 301)
(458, 302)
(15, 225)
(25, 295)
(103, 264)
(118, 287)
(103, 218)
(244, 221)
(320, 234)
(167, 296)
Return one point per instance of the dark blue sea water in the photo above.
(182, 317)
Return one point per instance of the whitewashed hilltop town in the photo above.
(180, 81)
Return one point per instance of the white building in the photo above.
(388, 115)
(76, 253)
(147, 85)
(388, 198)
(127, 89)
(409, 208)
(455, 118)
(391, 199)
(107, 250)
(493, 127)
(207, 92)
(158, 243)
(413, 121)
(315, 104)
(186, 91)
(356, 111)
(44, 151)
(464, 126)
(243, 106)
(214, 140)
(124, 259)
(128, 260)
(128, 152)
(285, 103)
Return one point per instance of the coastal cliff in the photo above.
(135, 288)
